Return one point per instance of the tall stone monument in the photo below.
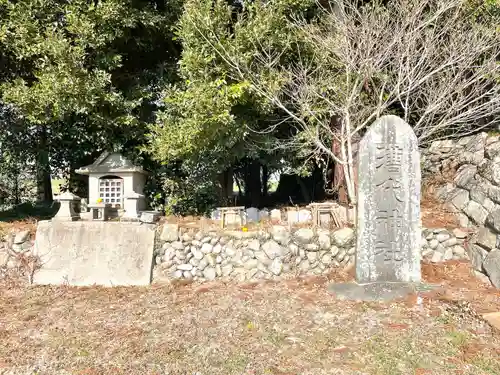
(388, 224)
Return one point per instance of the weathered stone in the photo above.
(326, 259)
(209, 273)
(450, 242)
(459, 198)
(324, 241)
(294, 249)
(197, 254)
(180, 255)
(463, 220)
(185, 267)
(343, 237)
(214, 241)
(493, 220)
(280, 234)
(304, 266)
(448, 254)
(217, 249)
(251, 264)
(312, 256)
(492, 150)
(341, 255)
(170, 232)
(459, 251)
(427, 253)
(272, 249)
(177, 274)
(465, 175)
(262, 257)
(21, 237)
(443, 236)
(436, 257)
(94, 252)
(476, 212)
(459, 233)
(276, 267)
(206, 248)
(177, 245)
(202, 264)
(491, 265)
(433, 244)
(351, 251)
(304, 235)
(494, 193)
(334, 250)
(388, 248)
(477, 255)
(254, 245)
(210, 259)
(227, 269)
(312, 247)
(486, 238)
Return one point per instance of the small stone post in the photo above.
(67, 210)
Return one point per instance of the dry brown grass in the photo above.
(288, 327)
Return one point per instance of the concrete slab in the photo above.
(100, 253)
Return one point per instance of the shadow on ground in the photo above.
(29, 211)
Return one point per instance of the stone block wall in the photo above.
(469, 169)
(274, 253)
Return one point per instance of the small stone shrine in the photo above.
(388, 222)
(115, 187)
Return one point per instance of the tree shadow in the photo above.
(29, 210)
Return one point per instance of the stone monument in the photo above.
(388, 222)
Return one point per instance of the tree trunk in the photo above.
(265, 180)
(253, 190)
(225, 180)
(44, 184)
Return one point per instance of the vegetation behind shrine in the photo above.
(153, 79)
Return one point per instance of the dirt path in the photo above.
(290, 327)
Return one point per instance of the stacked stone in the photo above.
(441, 245)
(474, 194)
(15, 245)
(485, 249)
(474, 191)
(276, 253)
(251, 255)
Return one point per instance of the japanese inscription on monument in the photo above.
(388, 204)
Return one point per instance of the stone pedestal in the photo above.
(99, 211)
(132, 204)
(67, 210)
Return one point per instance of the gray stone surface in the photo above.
(476, 212)
(170, 232)
(493, 220)
(343, 237)
(389, 232)
(465, 175)
(380, 292)
(486, 238)
(477, 255)
(491, 265)
(87, 253)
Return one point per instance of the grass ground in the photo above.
(288, 327)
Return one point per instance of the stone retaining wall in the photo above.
(470, 171)
(275, 253)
